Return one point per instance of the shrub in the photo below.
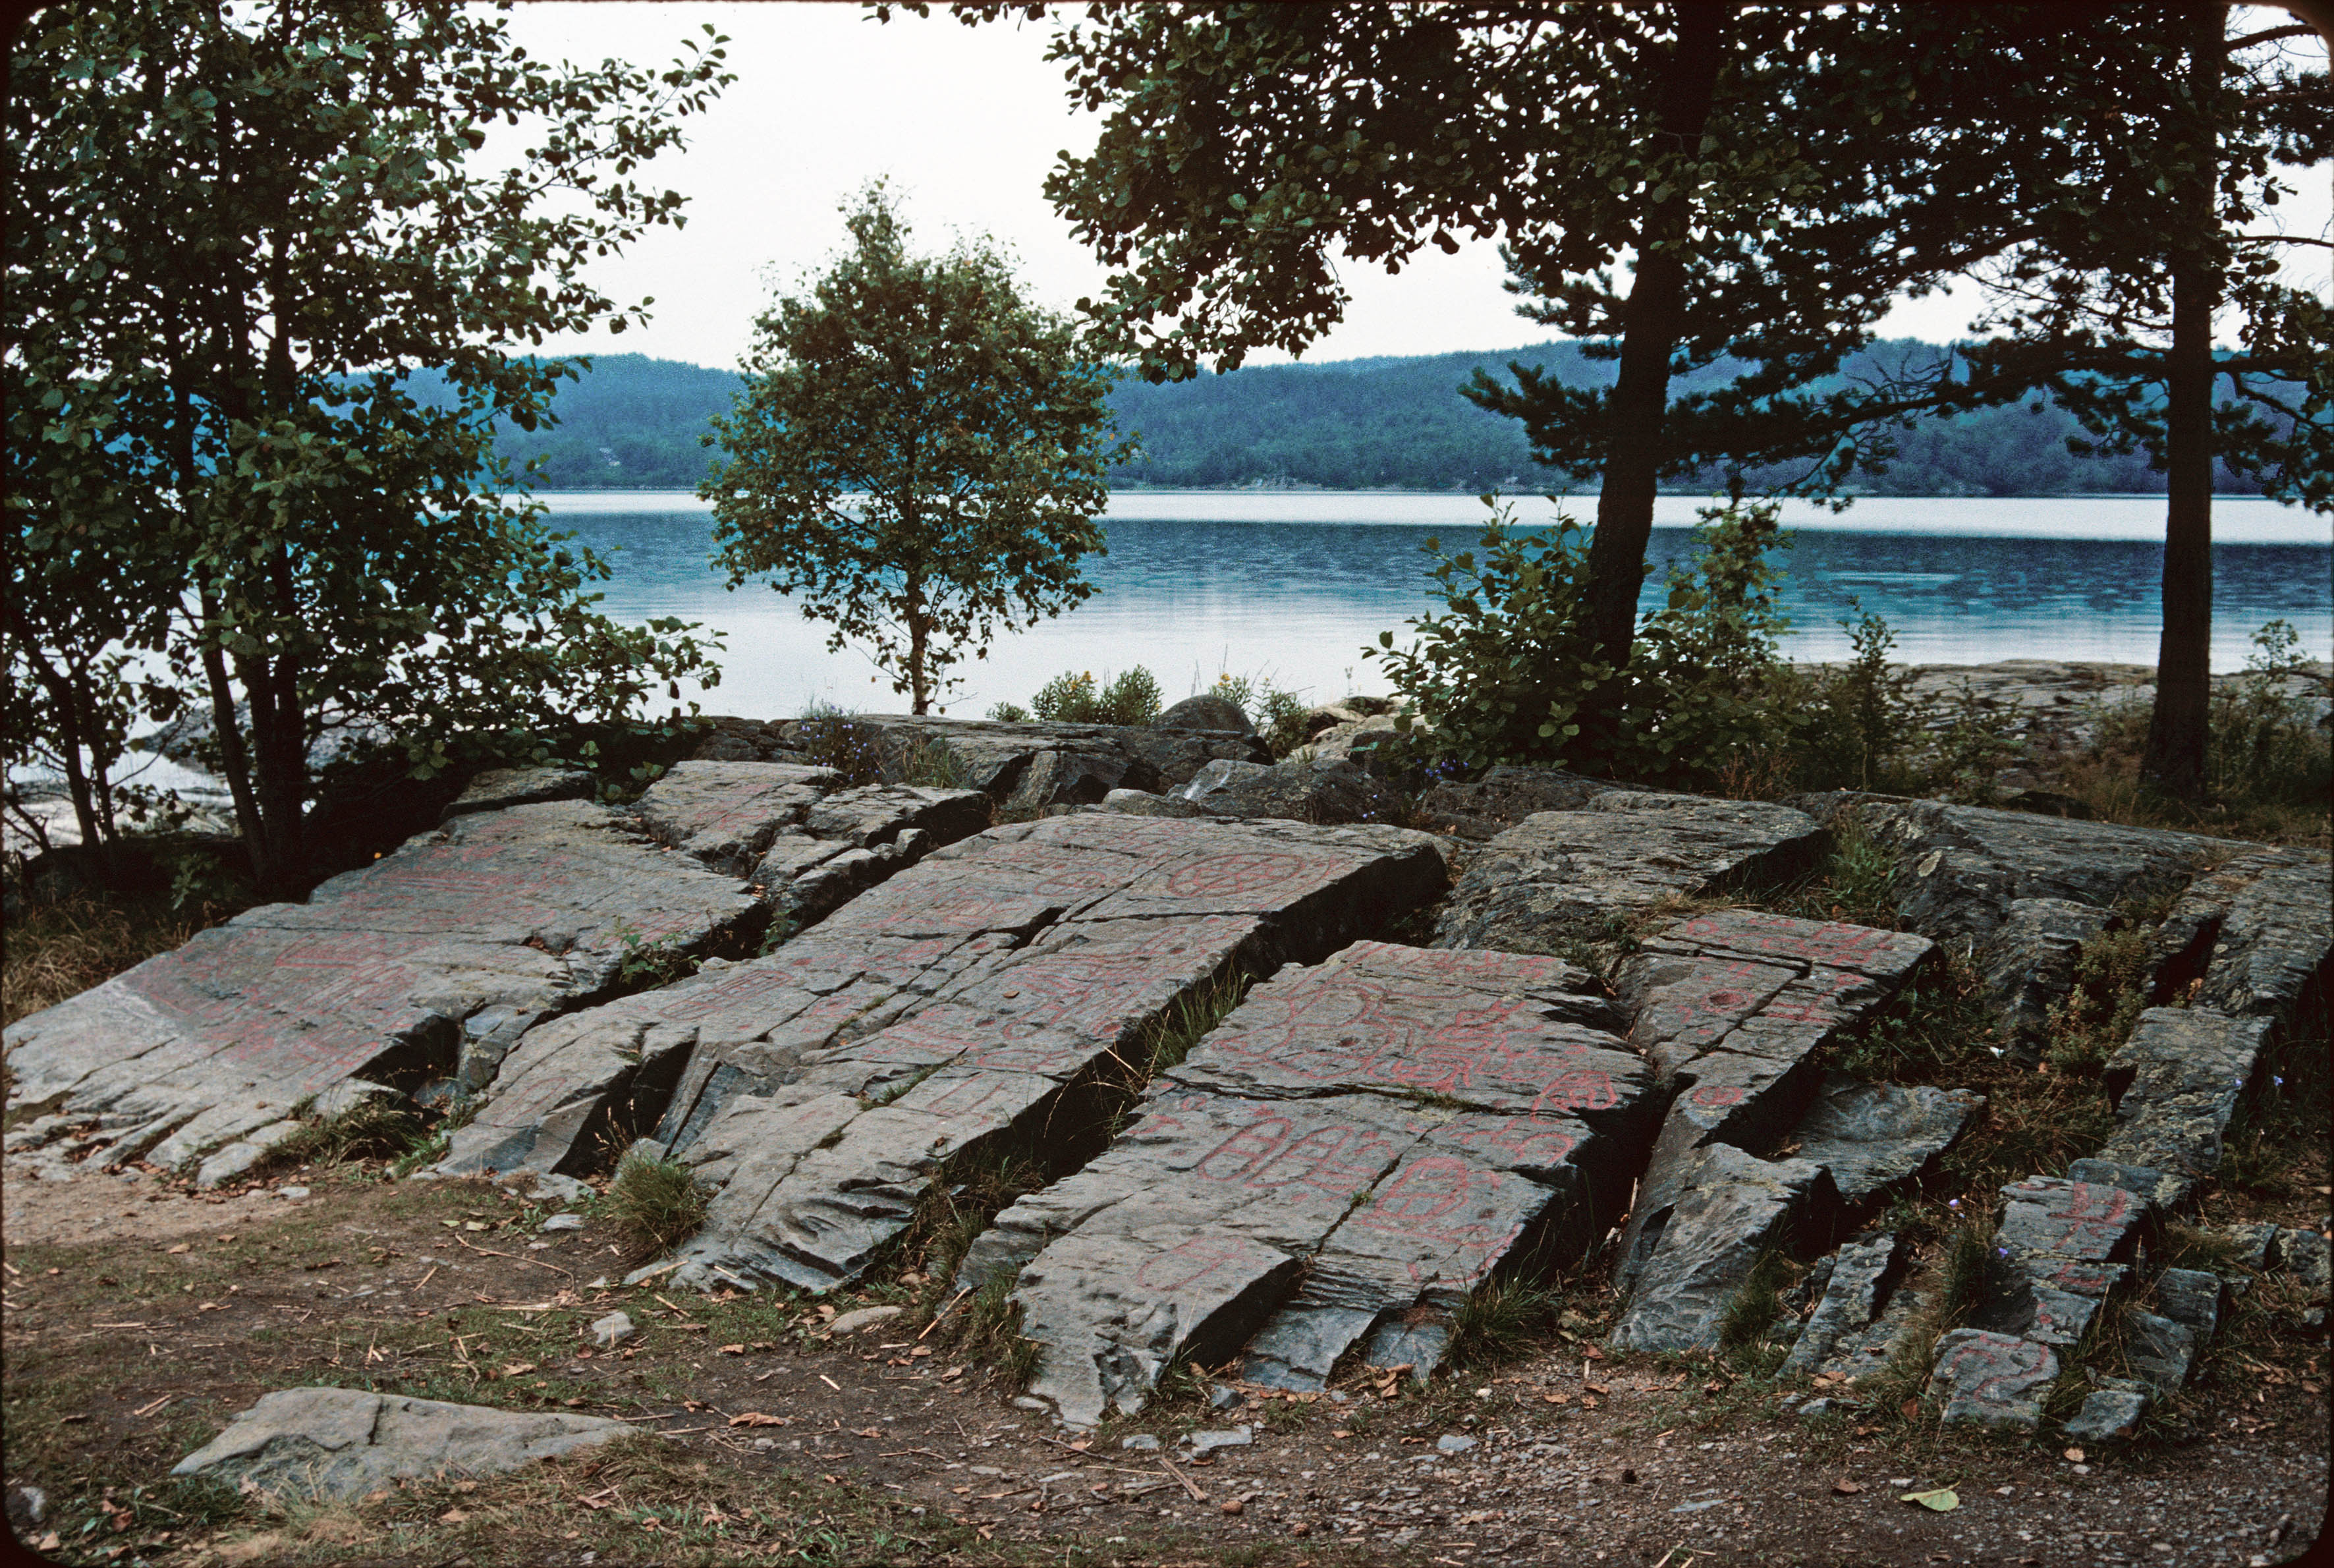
(1278, 716)
(1074, 697)
(1507, 675)
(1861, 724)
(831, 739)
(656, 1201)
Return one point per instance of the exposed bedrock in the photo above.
(2254, 937)
(819, 1089)
(1506, 793)
(436, 959)
(1562, 877)
(1356, 1147)
(1016, 765)
(2177, 1083)
(1731, 1009)
(1318, 790)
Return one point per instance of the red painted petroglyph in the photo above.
(1193, 1260)
(1985, 1366)
(1244, 875)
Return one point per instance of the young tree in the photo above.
(2180, 125)
(1775, 174)
(241, 232)
(919, 455)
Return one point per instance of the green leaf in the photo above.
(1943, 1500)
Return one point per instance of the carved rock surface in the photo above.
(725, 813)
(1338, 1164)
(500, 788)
(1989, 1379)
(2065, 1245)
(2257, 932)
(1872, 1137)
(2027, 966)
(448, 948)
(1504, 795)
(1309, 791)
(337, 1443)
(1729, 1209)
(2177, 1083)
(1560, 877)
(1729, 1007)
(1863, 1275)
(821, 1087)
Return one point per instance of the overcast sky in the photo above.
(966, 121)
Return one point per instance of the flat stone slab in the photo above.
(1560, 877)
(2064, 1246)
(1730, 1007)
(725, 813)
(1353, 1149)
(1874, 1137)
(822, 1088)
(2108, 1414)
(2177, 1083)
(339, 1442)
(2256, 934)
(1994, 1381)
(449, 947)
(1729, 1209)
(1862, 1277)
(499, 789)
(2027, 966)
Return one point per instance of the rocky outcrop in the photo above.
(1989, 1379)
(1482, 808)
(2253, 939)
(2063, 1246)
(1320, 791)
(328, 1444)
(1563, 877)
(2175, 1083)
(499, 789)
(1354, 1148)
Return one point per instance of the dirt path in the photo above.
(130, 1339)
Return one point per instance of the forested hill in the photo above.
(633, 423)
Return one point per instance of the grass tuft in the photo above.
(657, 1202)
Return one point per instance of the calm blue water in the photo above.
(1293, 586)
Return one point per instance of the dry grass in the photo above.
(59, 949)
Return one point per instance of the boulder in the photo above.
(498, 788)
(2177, 1083)
(324, 1444)
(1989, 1379)
(2108, 1414)
(1310, 791)
(2063, 1247)
(2161, 1351)
(2027, 966)
(1206, 711)
(1506, 794)
(1875, 1137)
(2193, 1299)
(1558, 879)
(1033, 766)
(1861, 1278)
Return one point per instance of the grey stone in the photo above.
(1140, 1443)
(340, 1443)
(1223, 1396)
(2193, 1299)
(1823, 1407)
(1729, 1209)
(2108, 1414)
(613, 1330)
(232, 1160)
(826, 1084)
(2026, 965)
(499, 787)
(563, 1223)
(725, 813)
(2177, 1083)
(1561, 877)
(1454, 1443)
(2304, 1255)
(564, 1189)
(1504, 795)
(1336, 1165)
(1730, 1007)
(1206, 711)
(1203, 1443)
(863, 1318)
(1873, 1137)
(498, 916)
(1862, 1274)
(1141, 803)
(2254, 936)
(1858, 1354)
(291, 1194)
(1320, 790)
(2064, 1247)
(1988, 1379)
(2159, 1350)
(2161, 1191)
(32, 1502)
(2256, 1246)
(1039, 765)
(1958, 869)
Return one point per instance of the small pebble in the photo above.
(1455, 1442)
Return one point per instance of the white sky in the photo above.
(967, 123)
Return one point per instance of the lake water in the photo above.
(1293, 584)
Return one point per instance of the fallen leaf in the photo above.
(452, 1516)
(867, 1432)
(736, 1349)
(1910, 1409)
(1558, 1398)
(757, 1418)
(1595, 1388)
(1844, 1488)
(175, 1250)
(951, 1372)
(2073, 1456)
(960, 1491)
(518, 1368)
(1941, 1500)
(1342, 1432)
(1235, 1505)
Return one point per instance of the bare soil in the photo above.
(136, 1324)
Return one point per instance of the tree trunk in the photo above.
(1655, 315)
(919, 683)
(2174, 765)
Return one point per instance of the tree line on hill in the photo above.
(635, 422)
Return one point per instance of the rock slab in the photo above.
(1988, 1379)
(337, 1443)
(2177, 1083)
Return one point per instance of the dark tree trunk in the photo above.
(2174, 765)
(1655, 316)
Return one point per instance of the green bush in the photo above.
(1508, 675)
(1278, 716)
(1860, 725)
(1075, 697)
(2264, 746)
(656, 1202)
